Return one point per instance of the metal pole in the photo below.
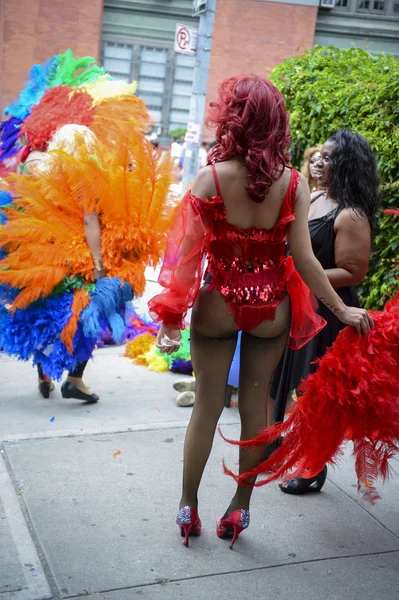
(200, 84)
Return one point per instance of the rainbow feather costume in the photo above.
(51, 309)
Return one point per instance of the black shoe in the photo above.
(45, 387)
(270, 448)
(299, 485)
(68, 390)
(228, 395)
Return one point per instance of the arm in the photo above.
(352, 249)
(93, 239)
(311, 270)
(183, 265)
(181, 272)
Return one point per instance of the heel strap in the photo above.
(184, 516)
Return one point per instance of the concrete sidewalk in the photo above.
(88, 498)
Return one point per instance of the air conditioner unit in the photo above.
(327, 3)
(199, 6)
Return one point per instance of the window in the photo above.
(181, 90)
(152, 79)
(117, 60)
(164, 79)
(384, 8)
(371, 6)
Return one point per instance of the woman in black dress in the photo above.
(340, 222)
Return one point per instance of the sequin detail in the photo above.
(253, 289)
(244, 519)
(184, 516)
(247, 265)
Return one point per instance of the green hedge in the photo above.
(326, 89)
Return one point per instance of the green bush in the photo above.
(327, 89)
(177, 133)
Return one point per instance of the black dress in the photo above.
(296, 365)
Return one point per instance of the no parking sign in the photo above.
(186, 39)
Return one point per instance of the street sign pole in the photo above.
(198, 97)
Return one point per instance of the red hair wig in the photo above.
(60, 105)
(251, 121)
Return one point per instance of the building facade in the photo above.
(32, 31)
(134, 39)
(369, 24)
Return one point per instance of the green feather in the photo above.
(75, 71)
(70, 284)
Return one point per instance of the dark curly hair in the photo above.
(251, 121)
(354, 179)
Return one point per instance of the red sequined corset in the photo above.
(248, 267)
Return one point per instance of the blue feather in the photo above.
(9, 132)
(117, 326)
(106, 301)
(37, 326)
(57, 359)
(179, 365)
(35, 332)
(38, 82)
(5, 198)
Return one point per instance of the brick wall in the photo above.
(32, 31)
(252, 37)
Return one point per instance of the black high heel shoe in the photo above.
(69, 390)
(271, 447)
(228, 396)
(45, 387)
(298, 485)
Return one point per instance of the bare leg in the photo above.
(213, 342)
(269, 411)
(260, 356)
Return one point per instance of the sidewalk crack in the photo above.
(26, 516)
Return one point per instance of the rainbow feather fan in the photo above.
(47, 258)
(63, 70)
(127, 185)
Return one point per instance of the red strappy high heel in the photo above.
(232, 525)
(189, 523)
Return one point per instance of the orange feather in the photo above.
(81, 299)
(125, 181)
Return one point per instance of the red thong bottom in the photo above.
(253, 298)
(249, 317)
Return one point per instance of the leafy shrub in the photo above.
(177, 133)
(327, 89)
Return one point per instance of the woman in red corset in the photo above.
(241, 210)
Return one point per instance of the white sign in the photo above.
(193, 133)
(186, 39)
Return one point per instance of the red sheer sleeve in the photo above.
(183, 266)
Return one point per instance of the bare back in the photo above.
(234, 182)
